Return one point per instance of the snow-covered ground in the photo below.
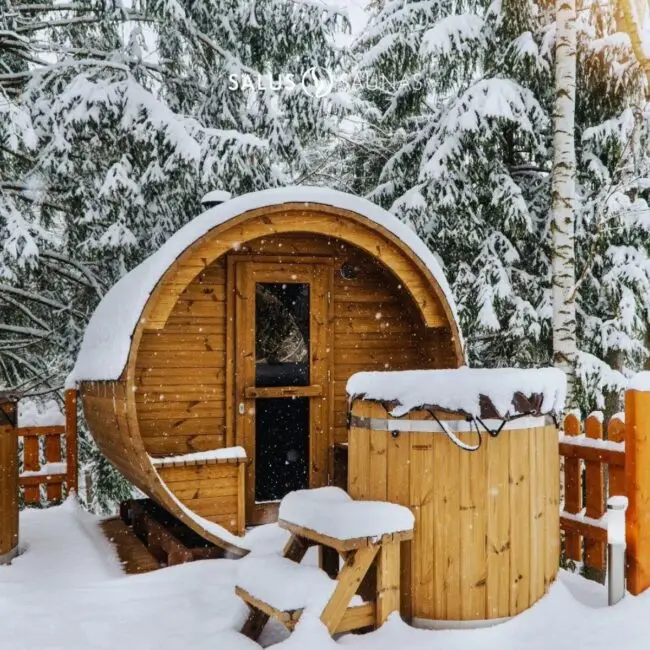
(67, 592)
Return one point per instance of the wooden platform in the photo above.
(165, 537)
(146, 537)
(133, 554)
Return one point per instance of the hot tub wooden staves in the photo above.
(487, 522)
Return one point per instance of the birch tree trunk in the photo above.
(565, 348)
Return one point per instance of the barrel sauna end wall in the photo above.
(481, 476)
(178, 361)
(8, 480)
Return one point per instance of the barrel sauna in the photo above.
(486, 542)
(8, 480)
(247, 324)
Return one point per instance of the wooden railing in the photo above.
(594, 470)
(49, 458)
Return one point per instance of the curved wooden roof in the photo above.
(107, 340)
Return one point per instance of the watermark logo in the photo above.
(318, 82)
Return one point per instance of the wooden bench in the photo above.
(339, 614)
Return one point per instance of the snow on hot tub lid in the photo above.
(107, 339)
(500, 393)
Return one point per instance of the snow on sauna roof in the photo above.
(486, 393)
(107, 340)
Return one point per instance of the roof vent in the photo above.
(214, 198)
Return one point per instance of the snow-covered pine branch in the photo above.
(468, 165)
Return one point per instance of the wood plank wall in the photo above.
(104, 407)
(377, 325)
(180, 394)
(181, 372)
(486, 541)
(180, 376)
(180, 386)
(211, 491)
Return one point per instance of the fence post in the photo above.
(616, 507)
(572, 490)
(8, 479)
(72, 462)
(637, 482)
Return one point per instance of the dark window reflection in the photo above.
(282, 334)
(281, 447)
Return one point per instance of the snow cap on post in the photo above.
(214, 198)
(501, 393)
(640, 382)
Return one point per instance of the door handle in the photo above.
(242, 408)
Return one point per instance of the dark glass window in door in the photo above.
(281, 447)
(281, 360)
(281, 334)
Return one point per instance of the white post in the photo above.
(616, 507)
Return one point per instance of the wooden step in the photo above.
(133, 554)
(168, 539)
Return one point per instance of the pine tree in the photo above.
(466, 160)
(612, 227)
(468, 164)
(109, 148)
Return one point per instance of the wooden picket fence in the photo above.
(49, 458)
(594, 470)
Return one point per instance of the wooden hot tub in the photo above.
(486, 544)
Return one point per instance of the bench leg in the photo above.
(355, 568)
(328, 559)
(254, 624)
(388, 580)
(295, 549)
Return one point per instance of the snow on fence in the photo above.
(48, 457)
(594, 470)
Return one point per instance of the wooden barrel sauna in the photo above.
(486, 543)
(170, 363)
(8, 480)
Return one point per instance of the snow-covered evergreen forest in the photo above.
(116, 117)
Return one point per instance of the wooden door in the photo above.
(282, 376)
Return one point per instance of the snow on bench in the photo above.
(331, 512)
(286, 585)
(362, 530)
(201, 457)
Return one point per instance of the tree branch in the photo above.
(30, 315)
(99, 290)
(5, 327)
(29, 295)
